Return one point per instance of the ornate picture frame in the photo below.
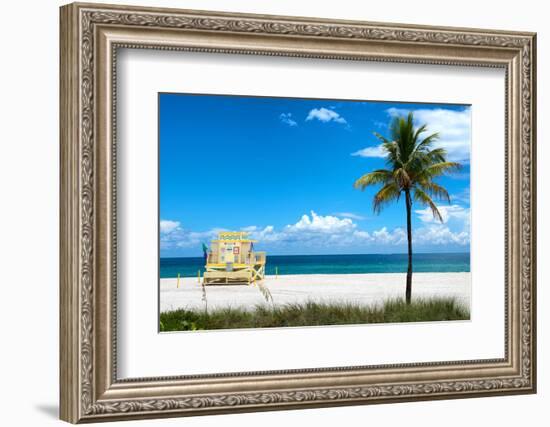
(90, 37)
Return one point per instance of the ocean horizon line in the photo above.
(333, 264)
(347, 254)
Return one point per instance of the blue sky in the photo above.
(284, 168)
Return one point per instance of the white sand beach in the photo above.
(355, 288)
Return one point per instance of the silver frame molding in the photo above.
(90, 37)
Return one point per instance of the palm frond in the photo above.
(387, 194)
(426, 200)
(424, 157)
(391, 148)
(382, 138)
(402, 177)
(435, 190)
(427, 142)
(393, 157)
(420, 130)
(420, 159)
(402, 131)
(441, 168)
(380, 176)
(437, 155)
(423, 147)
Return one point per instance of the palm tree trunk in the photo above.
(408, 290)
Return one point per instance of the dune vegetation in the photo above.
(314, 314)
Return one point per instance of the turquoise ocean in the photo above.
(334, 264)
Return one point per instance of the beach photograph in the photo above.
(297, 212)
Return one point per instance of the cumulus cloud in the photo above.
(441, 235)
(287, 119)
(322, 233)
(454, 127)
(375, 151)
(322, 224)
(325, 115)
(173, 235)
(167, 226)
(436, 233)
(262, 234)
(325, 231)
(395, 237)
(447, 212)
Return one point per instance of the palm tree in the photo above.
(413, 164)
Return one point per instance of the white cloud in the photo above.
(436, 233)
(376, 151)
(167, 226)
(286, 118)
(362, 235)
(323, 224)
(350, 215)
(454, 128)
(325, 115)
(261, 234)
(395, 237)
(447, 212)
(440, 235)
(193, 238)
(324, 233)
(173, 235)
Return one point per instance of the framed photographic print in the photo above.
(302, 240)
(264, 212)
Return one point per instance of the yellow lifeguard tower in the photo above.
(232, 259)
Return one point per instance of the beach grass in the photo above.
(314, 314)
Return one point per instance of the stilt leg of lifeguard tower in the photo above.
(257, 271)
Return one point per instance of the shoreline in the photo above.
(363, 289)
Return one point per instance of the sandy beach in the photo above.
(368, 289)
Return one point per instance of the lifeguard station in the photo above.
(232, 259)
